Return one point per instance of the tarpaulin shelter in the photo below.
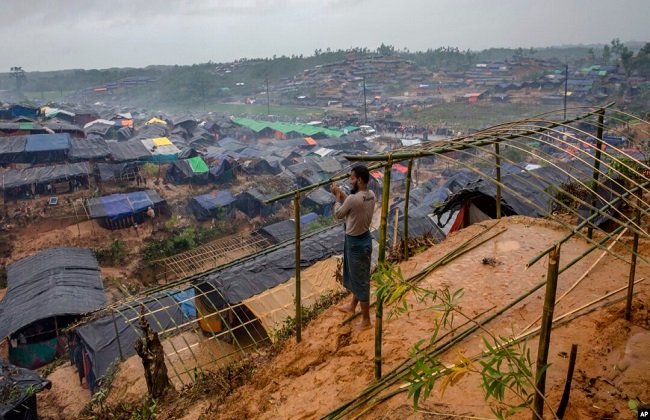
(36, 148)
(161, 149)
(45, 292)
(109, 172)
(251, 203)
(525, 193)
(259, 273)
(189, 170)
(320, 201)
(18, 389)
(83, 149)
(105, 347)
(117, 211)
(129, 150)
(223, 168)
(22, 180)
(285, 230)
(213, 205)
(295, 130)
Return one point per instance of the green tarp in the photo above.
(302, 129)
(198, 165)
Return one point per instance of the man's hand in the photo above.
(338, 193)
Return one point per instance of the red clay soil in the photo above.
(334, 363)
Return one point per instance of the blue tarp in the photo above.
(115, 206)
(139, 201)
(186, 300)
(308, 218)
(215, 199)
(47, 142)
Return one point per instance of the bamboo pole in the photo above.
(407, 196)
(567, 385)
(635, 248)
(395, 226)
(498, 178)
(117, 336)
(545, 333)
(596, 174)
(296, 215)
(381, 261)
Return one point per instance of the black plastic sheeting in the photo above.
(117, 171)
(25, 177)
(264, 271)
(101, 342)
(525, 193)
(18, 387)
(128, 150)
(280, 232)
(57, 281)
(88, 149)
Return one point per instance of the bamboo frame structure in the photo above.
(596, 175)
(635, 249)
(296, 215)
(407, 194)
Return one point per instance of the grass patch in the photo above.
(461, 116)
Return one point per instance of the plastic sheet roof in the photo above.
(40, 174)
(115, 206)
(263, 271)
(305, 130)
(57, 281)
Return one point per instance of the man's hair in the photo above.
(362, 172)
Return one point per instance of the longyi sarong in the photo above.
(357, 251)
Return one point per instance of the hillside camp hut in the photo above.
(320, 201)
(193, 170)
(119, 211)
(217, 205)
(18, 389)
(526, 192)
(259, 287)
(223, 168)
(25, 183)
(251, 203)
(111, 338)
(45, 293)
(284, 230)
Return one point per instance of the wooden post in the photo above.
(296, 215)
(596, 174)
(498, 178)
(545, 331)
(567, 385)
(407, 196)
(381, 260)
(635, 248)
(117, 336)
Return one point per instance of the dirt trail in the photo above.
(334, 363)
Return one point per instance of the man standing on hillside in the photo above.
(357, 211)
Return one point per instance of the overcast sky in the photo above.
(63, 34)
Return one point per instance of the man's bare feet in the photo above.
(363, 325)
(346, 309)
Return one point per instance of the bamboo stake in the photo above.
(582, 277)
(395, 224)
(567, 385)
(407, 196)
(596, 174)
(296, 215)
(598, 244)
(635, 248)
(401, 370)
(381, 261)
(545, 333)
(498, 179)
